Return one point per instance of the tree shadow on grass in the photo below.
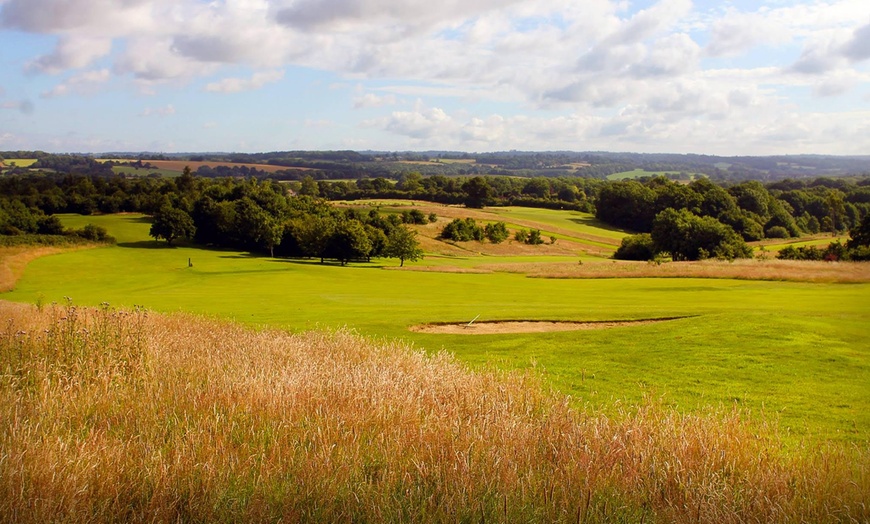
(139, 220)
(594, 222)
(146, 244)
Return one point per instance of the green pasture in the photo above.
(794, 352)
(132, 171)
(821, 242)
(640, 173)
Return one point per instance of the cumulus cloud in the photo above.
(606, 67)
(859, 47)
(346, 14)
(235, 85)
(66, 16)
(422, 123)
(71, 53)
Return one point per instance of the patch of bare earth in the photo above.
(499, 327)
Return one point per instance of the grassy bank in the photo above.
(132, 416)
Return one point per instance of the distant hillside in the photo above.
(293, 165)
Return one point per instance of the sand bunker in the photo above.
(526, 326)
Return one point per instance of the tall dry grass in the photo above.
(744, 269)
(132, 416)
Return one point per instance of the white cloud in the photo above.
(71, 53)
(859, 47)
(235, 85)
(164, 111)
(594, 68)
(369, 100)
(83, 83)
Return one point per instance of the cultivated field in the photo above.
(794, 353)
(17, 162)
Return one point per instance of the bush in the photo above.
(636, 247)
(521, 236)
(800, 253)
(496, 233)
(777, 232)
(461, 230)
(93, 233)
(535, 237)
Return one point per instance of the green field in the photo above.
(639, 173)
(789, 351)
(129, 170)
(19, 162)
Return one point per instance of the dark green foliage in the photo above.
(630, 205)
(349, 242)
(636, 247)
(860, 235)
(534, 237)
(171, 224)
(687, 236)
(463, 230)
(521, 235)
(402, 244)
(414, 216)
(800, 253)
(776, 232)
(496, 232)
(477, 192)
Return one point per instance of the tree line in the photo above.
(248, 214)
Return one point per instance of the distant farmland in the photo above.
(179, 165)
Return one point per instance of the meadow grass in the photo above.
(797, 351)
(126, 415)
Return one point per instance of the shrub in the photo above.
(496, 233)
(776, 232)
(463, 230)
(534, 237)
(636, 247)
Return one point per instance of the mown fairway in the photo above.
(796, 352)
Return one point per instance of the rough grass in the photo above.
(785, 270)
(132, 416)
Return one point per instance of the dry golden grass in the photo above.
(757, 269)
(132, 416)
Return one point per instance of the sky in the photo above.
(738, 77)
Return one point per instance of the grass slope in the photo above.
(796, 351)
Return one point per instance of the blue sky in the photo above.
(730, 78)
